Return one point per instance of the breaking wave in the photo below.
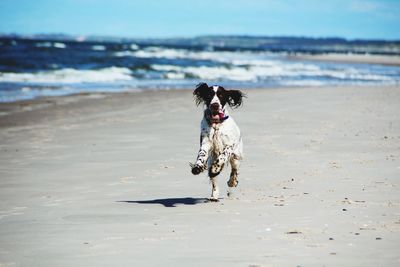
(69, 76)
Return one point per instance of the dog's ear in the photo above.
(235, 98)
(200, 93)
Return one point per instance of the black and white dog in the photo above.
(220, 140)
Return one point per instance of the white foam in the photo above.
(174, 76)
(209, 73)
(50, 44)
(235, 73)
(219, 73)
(247, 66)
(134, 47)
(70, 76)
(98, 47)
(60, 45)
(156, 52)
(275, 70)
(170, 53)
(166, 67)
(126, 53)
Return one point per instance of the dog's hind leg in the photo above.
(215, 189)
(235, 163)
(213, 179)
(233, 180)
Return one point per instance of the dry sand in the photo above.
(104, 180)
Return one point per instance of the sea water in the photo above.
(31, 68)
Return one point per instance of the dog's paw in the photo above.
(233, 183)
(212, 199)
(196, 169)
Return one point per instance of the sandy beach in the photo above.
(104, 180)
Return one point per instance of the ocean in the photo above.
(32, 67)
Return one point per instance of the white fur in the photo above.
(221, 143)
(215, 99)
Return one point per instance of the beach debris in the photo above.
(127, 179)
(378, 238)
(367, 228)
(391, 157)
(331, 238)
(344, 209)
(346, 201)
(334, 164)
(168, 166)
(294, 232)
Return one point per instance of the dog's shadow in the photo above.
(169, 202)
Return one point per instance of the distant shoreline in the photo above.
(296, 44)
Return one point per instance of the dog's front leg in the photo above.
(202, 156)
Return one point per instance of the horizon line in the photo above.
(75, 36)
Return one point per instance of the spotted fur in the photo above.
(220, 142)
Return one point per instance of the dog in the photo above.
(220, 138)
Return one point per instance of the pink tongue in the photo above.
(215, 117)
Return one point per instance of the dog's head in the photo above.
(216, 97)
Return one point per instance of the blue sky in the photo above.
(351, 19)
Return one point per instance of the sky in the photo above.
(351, 19)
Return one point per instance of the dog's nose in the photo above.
(214, 106)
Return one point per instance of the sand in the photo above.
(389, 60)
(104, 180)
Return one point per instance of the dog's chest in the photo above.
(219, 138)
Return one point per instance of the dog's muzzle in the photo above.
(214, 108)
(215, 117)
